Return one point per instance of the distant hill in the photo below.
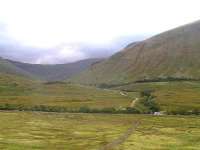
(7, 67)
(172, 54)
(45, 72)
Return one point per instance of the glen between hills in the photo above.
(166, 66)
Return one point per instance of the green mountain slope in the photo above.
(174, 53)
(45, 72)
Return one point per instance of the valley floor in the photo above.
(68, 131)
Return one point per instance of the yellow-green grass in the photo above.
(15, 90)
(52, 131)
(182, 95)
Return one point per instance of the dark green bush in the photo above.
(84, 109)
(147, 103)
(147, 93)
(131, 110)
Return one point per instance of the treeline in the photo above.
(54, 82)
(83, 109)
(105, 85)
(193, 111)
(166, 79)
(158, 79)
(140, 108)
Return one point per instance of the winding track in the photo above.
(122, 138)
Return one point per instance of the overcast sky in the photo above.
(61, 31)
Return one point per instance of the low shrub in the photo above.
(141, 107)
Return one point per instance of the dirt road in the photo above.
(122, 138)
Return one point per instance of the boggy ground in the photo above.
(68, 131)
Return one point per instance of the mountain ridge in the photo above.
(174, 53)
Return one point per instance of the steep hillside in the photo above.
(173, 54)
(45, 72)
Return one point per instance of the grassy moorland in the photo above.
(21, 91)
(171, 96)
(53, 131)
(174, 96)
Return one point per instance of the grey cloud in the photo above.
(63, 53)
(58, 55)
